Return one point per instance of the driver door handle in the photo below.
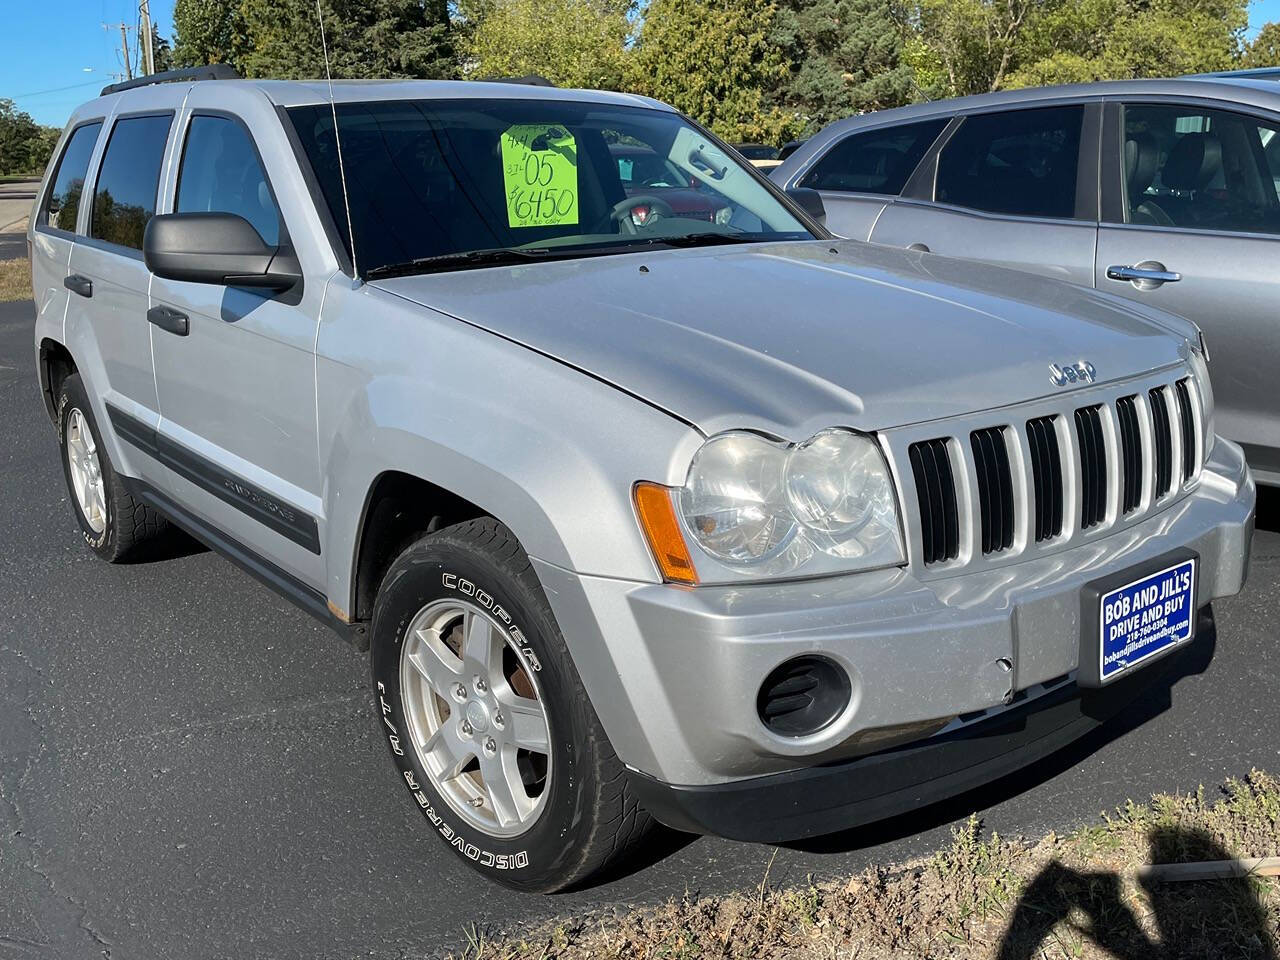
(1154, 274)
(166, 318)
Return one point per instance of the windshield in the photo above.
(449, 184)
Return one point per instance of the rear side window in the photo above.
(221, 173)
(1023, 162)
(125, 198)
(63, 202)
(879, 161)
(1201, 169)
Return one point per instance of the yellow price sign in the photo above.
(540, 174)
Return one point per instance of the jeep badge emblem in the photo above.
(1080, 372)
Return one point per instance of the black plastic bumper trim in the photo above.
(827, 799)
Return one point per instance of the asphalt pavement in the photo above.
(191, 768)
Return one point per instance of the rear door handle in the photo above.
(167, 318)
(78, 284)
(1147, 275)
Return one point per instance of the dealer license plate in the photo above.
(1144, 618)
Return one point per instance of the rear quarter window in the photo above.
(128, 180)
(878, 161)
(62, 205)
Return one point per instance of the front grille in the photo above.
(1187, 416)
(1130, 453)
(1093, 466)
(1010, 488)
(936, 491)
(995, 488)
(1046, 474)
(1164, 442)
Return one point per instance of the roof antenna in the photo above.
(337, 139)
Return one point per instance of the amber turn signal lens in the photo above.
(662, 529)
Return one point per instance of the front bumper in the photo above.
(819, 800)
(673, 672)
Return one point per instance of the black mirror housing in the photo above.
(810, 201)
(219, 248)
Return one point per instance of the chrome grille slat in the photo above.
(1046, 465)
(987, 488)
(1093, 465)
(1130, 452)
(995, 488)
(1164, 442)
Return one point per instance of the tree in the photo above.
(25, 146)
(366, 38)
(1264, 51)
(572, 43)
(846, 56)
(715, 60)
(208, 31)
(968, 46)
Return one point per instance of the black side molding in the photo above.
(246, 497)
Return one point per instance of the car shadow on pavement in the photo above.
(172, 544)
(1269, 509)
(1155, 701)
(1217, 918)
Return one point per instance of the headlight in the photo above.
(1200, 371)
(765, 509)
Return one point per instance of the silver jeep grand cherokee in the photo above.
(650, 499)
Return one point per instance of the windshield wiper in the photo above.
(708, 238)
(499, 256)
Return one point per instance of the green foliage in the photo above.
(366, 39)
(1264, 51)
(25, 146)
(715, 60)
(572, 43)
(281, 38)
(207, 31)
(761, 70)
(846, 57)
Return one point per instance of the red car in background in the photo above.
(644, 172)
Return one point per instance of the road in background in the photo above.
(190, 767)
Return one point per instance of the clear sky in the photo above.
(54, 54)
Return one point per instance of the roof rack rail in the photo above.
(529, 79)
(215, 71)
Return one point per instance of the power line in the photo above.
(73, 86)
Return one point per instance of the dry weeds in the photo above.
(983, 897)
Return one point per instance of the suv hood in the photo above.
(790, 338)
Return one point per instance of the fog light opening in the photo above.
(802, 696)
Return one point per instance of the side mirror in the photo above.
(810, 201)
(220, 248)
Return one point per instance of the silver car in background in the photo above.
(1166, 192)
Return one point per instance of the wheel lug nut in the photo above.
(490, 746)
(459, 691)
(466, 728)
(480, 685)
(499, 721)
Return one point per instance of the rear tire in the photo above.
(554, 820)
(111, 520)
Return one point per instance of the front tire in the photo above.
(487, 720)
(111, 520)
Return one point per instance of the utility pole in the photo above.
(124, 46)
(148, 54)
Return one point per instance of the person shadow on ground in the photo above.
(1198, 918)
